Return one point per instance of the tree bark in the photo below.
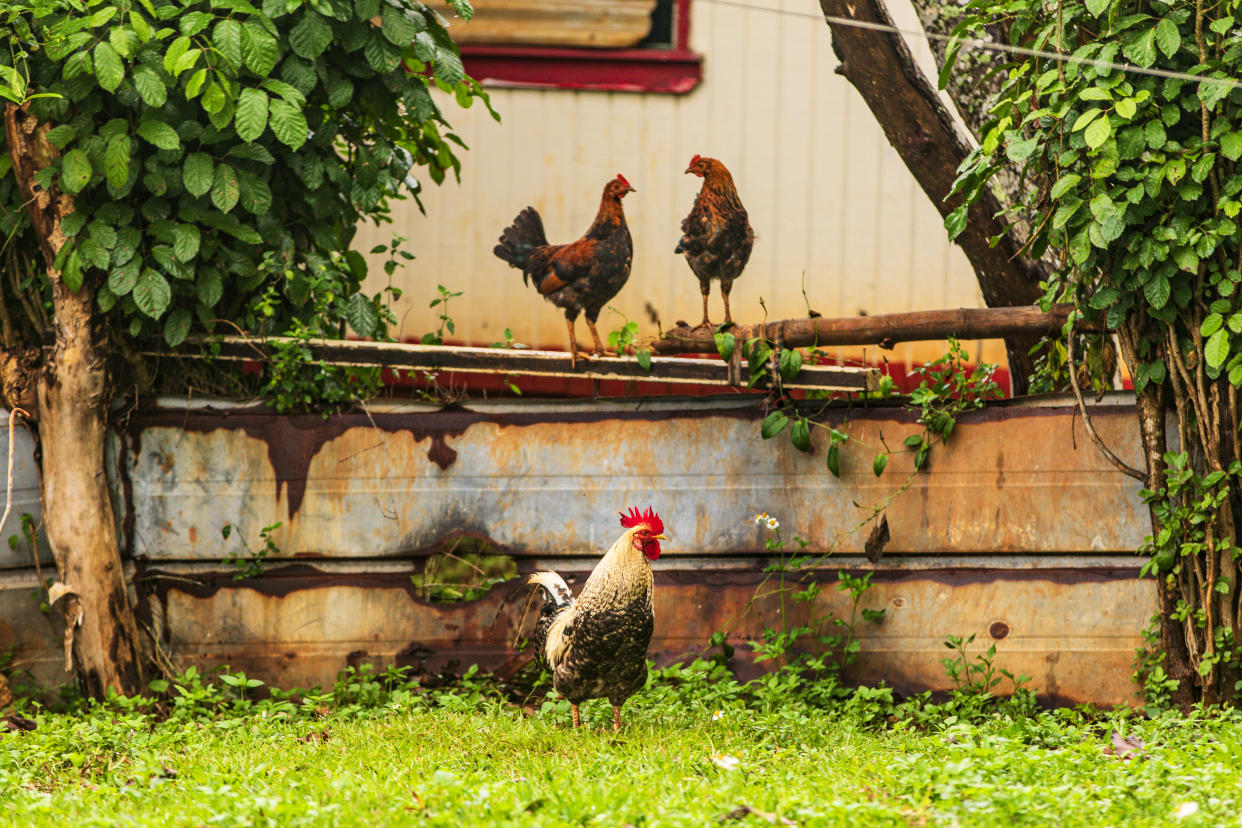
(73, 394)
(881, 68)
(1152, 409)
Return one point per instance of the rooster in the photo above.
(716, 236)
(580, 276)
(596, 645)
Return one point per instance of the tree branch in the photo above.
(922, 131)
(1117, 462)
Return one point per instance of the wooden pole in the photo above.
(884, 330)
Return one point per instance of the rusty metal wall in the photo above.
(1018, 532)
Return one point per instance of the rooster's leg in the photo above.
(725, 287)
(599, 346)
(616, 718)
(577, 721)
(574, 353)
(706, 287)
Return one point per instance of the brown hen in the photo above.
(716, 236)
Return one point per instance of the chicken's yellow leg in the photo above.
(706, 288)
(577, 721)
(616, 718)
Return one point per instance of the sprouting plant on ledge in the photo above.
(436, 337)
(976, 676)
(623, 339)
(250, 565)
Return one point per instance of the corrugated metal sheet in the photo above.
(1018, 532)
(832, 203)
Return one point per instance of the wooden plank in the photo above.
(884, 330)
(530, 363)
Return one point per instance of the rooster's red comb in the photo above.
(648, 518)
(694, 160)
(621, 178)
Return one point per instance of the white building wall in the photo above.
(830, 200)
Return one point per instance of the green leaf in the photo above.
(160, 134)
(800, 434)
(108, 67)
(361, 314)
(1211, 324)
(1097, 7)
(174, 54)
(834, 460)
(256, 197)
(1157, 292)
(1086, 118)
(790, 364)
(121, 280)
(644, 359)
(186, 241)
(152, 293)
(224, 188)
(773, 424)
(197, 173)
(1097, 132)
(227, 37)
(1167, 37)
(72, 224)
(251, 115)
(1126, 108)
(288, 124)
(60, 136)
(1216, 351)
(150, 87)
(311, 36)
(1231, 145)
(878, 465)
(259, 49)
(1142, 49)
(209, 287)
(75, 171)
(116, 160)
(176, 327)
(955, 222)
(193, 23)
(396, 27)
(1064, 184)
(725, 343)
(1021, 149)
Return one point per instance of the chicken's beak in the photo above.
(661, 537)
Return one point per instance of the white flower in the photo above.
(761, 517)
(725, 761)
(1186, 809)
(773, 524)
(718, 715)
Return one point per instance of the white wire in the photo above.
(978, 43)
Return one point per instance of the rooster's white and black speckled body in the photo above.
(595, 646)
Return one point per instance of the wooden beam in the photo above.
(884, 330)
(523, 362)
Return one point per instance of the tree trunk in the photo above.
(73, 396)
(922, 131)
(1152, 411)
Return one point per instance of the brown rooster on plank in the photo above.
(716, 236)
(580, 276)
(596, 645)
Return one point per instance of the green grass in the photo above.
(469, 758)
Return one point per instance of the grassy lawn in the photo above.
(691, 754)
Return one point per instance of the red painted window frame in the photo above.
(675, 70)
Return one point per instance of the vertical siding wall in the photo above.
(827, 195)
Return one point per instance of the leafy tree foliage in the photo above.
(220, 154)
(1133, 187)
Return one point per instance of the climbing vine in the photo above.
(1133, 188)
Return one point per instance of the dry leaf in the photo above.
(745, 810)
(877, 540)
(1125, 747)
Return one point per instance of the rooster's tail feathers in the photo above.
(520, 238)
(554, 585)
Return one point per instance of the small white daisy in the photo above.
(1186, 809)
(718, 715)
(773, 524)
(725, 761)
(761, 517)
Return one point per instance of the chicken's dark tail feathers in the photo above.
(520, 238)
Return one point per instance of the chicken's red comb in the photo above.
(648, 518)
(621, 178)
(694, 160)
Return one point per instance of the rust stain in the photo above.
(998, 630)
(193, 533)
